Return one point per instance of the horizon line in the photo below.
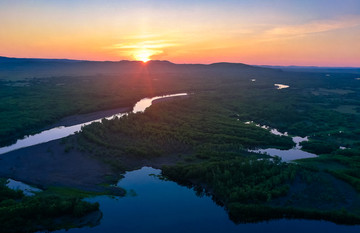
(269, 66)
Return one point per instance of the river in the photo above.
(64, 131)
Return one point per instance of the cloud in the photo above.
(314, 27)
(147, 44)
(141, 46)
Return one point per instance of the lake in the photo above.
(155, 205)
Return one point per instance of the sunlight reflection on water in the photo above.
(281, 86)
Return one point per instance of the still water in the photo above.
(291, 154)
(154, 205)
(62, 131)
(285, 155)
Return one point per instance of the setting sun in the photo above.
(143, 55)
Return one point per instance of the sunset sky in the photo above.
(271, 32)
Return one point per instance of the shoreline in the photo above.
(169, 98)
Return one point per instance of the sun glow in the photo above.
(142, 50)
(143, 55)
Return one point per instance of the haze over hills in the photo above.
(32, 61)
(17, 68)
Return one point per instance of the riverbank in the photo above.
(170, 98)
(83, 118)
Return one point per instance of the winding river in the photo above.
(64, 131)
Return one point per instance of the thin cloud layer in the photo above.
(314, 27)
(148, 48)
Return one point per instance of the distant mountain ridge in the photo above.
(19, 68)
(4, 59)
(316, 69)
(39, 67)
(13, 59)
(51, 60)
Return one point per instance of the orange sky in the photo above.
(317, 32)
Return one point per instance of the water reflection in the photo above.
(286, 155)
(146, 102)
(164, 206)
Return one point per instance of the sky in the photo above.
(258, 32)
